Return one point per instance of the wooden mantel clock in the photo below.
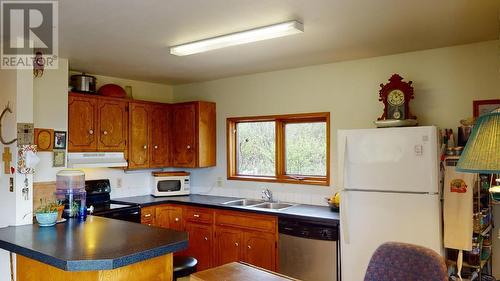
(396, 96)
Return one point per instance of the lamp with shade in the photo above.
(482, 151)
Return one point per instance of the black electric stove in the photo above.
(100, 204)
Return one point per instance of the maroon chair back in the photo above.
(405, 262)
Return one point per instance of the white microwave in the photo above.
(170, 184)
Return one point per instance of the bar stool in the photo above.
(184, 266)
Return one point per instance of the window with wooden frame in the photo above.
(293, 148)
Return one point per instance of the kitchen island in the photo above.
(97, 249)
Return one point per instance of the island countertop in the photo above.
(96, 244)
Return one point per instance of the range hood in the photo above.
(97, 160)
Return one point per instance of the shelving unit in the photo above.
(483, 221)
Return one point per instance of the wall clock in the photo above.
(396, 96)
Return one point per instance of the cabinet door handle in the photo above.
(249, 247)
(188, 147)
(236, 244)
(176, 219)
(147, 215)
(156, 147)
(206, 238)
(105, 132)
(196, 215)
(91, 132)
(145, 147)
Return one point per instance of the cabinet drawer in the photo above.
(147, 215)
(247, 221)
(199, 215)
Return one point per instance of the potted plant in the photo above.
(47, 213)
(60, 209)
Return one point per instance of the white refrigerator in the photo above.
(389, 181)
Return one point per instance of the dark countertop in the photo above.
(319, 214)
(96, 244)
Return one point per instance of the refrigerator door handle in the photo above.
(344, 224)
(342, 148)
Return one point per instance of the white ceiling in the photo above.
(130, 38)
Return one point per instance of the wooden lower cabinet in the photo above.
(148, 215)
(217, 237)
(200, 244)
(260, 249)
(169, 216)
(228, 244)
(257, 248)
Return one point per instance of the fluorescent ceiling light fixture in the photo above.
(238, 38)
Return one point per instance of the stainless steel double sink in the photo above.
(258, 204)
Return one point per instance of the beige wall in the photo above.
(8, 94)
(446, 81)
(50, 112)
(17, 90)
(140, 90)
(7, 199)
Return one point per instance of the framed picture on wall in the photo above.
(481, 107)
(59, 159)
(44, 139)
(59, 140)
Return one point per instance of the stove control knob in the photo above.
(325, 233)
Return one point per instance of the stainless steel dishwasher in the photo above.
(308, 250)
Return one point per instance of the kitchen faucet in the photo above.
(267, 195)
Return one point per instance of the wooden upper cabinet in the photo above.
(113, 125)
(152, 135)
(160, 136)
(183, 129)
(139, 129)
(97, 123)
(194, 134)
(82, 123)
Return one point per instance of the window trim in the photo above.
(281, 121)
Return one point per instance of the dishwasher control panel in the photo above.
(307, 229)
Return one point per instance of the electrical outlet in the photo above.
(220, 182)
(11, 184)
(119, 182)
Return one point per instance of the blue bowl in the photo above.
(46, 219)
